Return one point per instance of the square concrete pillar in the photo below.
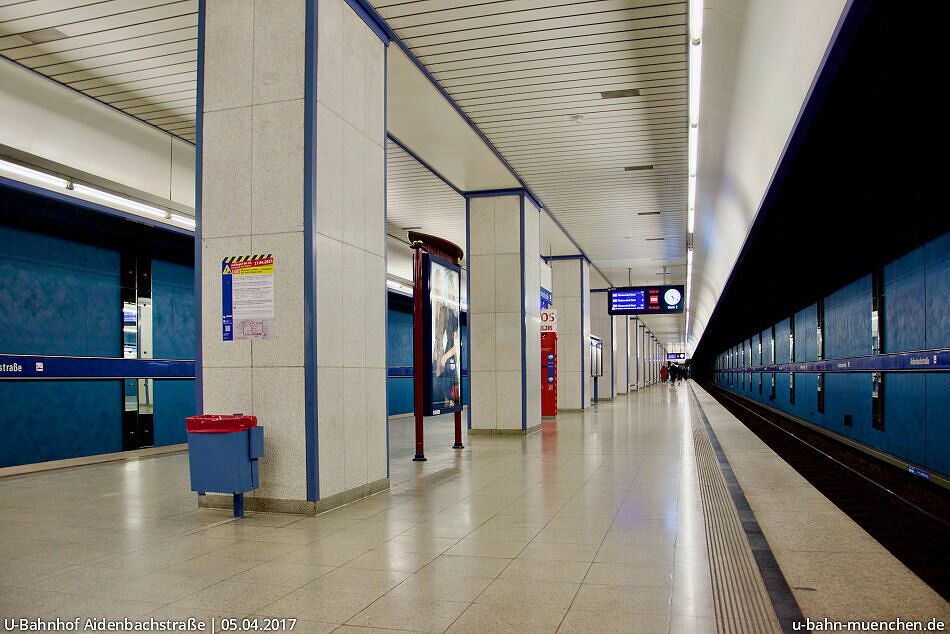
(505, 312)
(571, 275)
(621, 333)
(292, 164)
(601, 325)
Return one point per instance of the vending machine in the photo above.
(549, 374)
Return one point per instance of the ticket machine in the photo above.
(549, 374)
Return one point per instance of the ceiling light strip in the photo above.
(695, 84)
(32, 176)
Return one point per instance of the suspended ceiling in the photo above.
(139, 56)
(532, 75)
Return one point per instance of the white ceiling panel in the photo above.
(139, 56)
(530, 74)
(418, 200)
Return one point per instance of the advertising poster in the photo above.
(247, 297)
(445, 389)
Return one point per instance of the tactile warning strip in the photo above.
(741, 601)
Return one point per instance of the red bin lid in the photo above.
(219, 423)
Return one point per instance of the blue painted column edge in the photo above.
(468, 293)
(584, 344)
(524, 335)
(199, 123)
(385, 219)
(311, 427)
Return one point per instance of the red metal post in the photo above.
(458, 431)
(418, 345)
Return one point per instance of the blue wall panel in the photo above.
(781, 391)
(57, 295)
(905, 408)
(781, 342)
(806, 333)
(848, 394)
(937, 254)
(399, 395)
(173, 337)
(848, 320)
(174, 400)
(938, 423)
(173, 310)
(52, 420)
(905, 316)
(399, 339)
(806, 397)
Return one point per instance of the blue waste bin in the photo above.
(223, 453)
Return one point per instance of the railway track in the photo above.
(908, 515)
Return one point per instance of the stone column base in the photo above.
(295, 507)
(504, 432)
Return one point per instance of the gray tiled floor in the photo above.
(594, 524)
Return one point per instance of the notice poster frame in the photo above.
(437, 345)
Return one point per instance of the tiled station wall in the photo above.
(61, 296)
(916, 317)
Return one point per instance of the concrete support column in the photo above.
(571, 275)
(643, 361)
(622, 351)
(601, 325)
(504, 234)
(633, 326)
(292, 164)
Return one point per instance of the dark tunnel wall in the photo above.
(861, 184)
(860, 201)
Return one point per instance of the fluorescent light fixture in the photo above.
(35, 175)
(690, 220)
(692, 193)
(689, 276)
(693, 150)
(695, 77)
(695, 20)
(398, 286)
(27, 174)
(185, 220)
(112, 199)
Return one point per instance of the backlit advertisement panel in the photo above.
(444, 389)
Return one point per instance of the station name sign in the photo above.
(646, 300)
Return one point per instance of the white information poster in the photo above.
(247, 286)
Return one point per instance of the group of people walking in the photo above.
(673, 373)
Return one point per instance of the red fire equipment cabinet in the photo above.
(548, 374)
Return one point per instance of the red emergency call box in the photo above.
(549, 374)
